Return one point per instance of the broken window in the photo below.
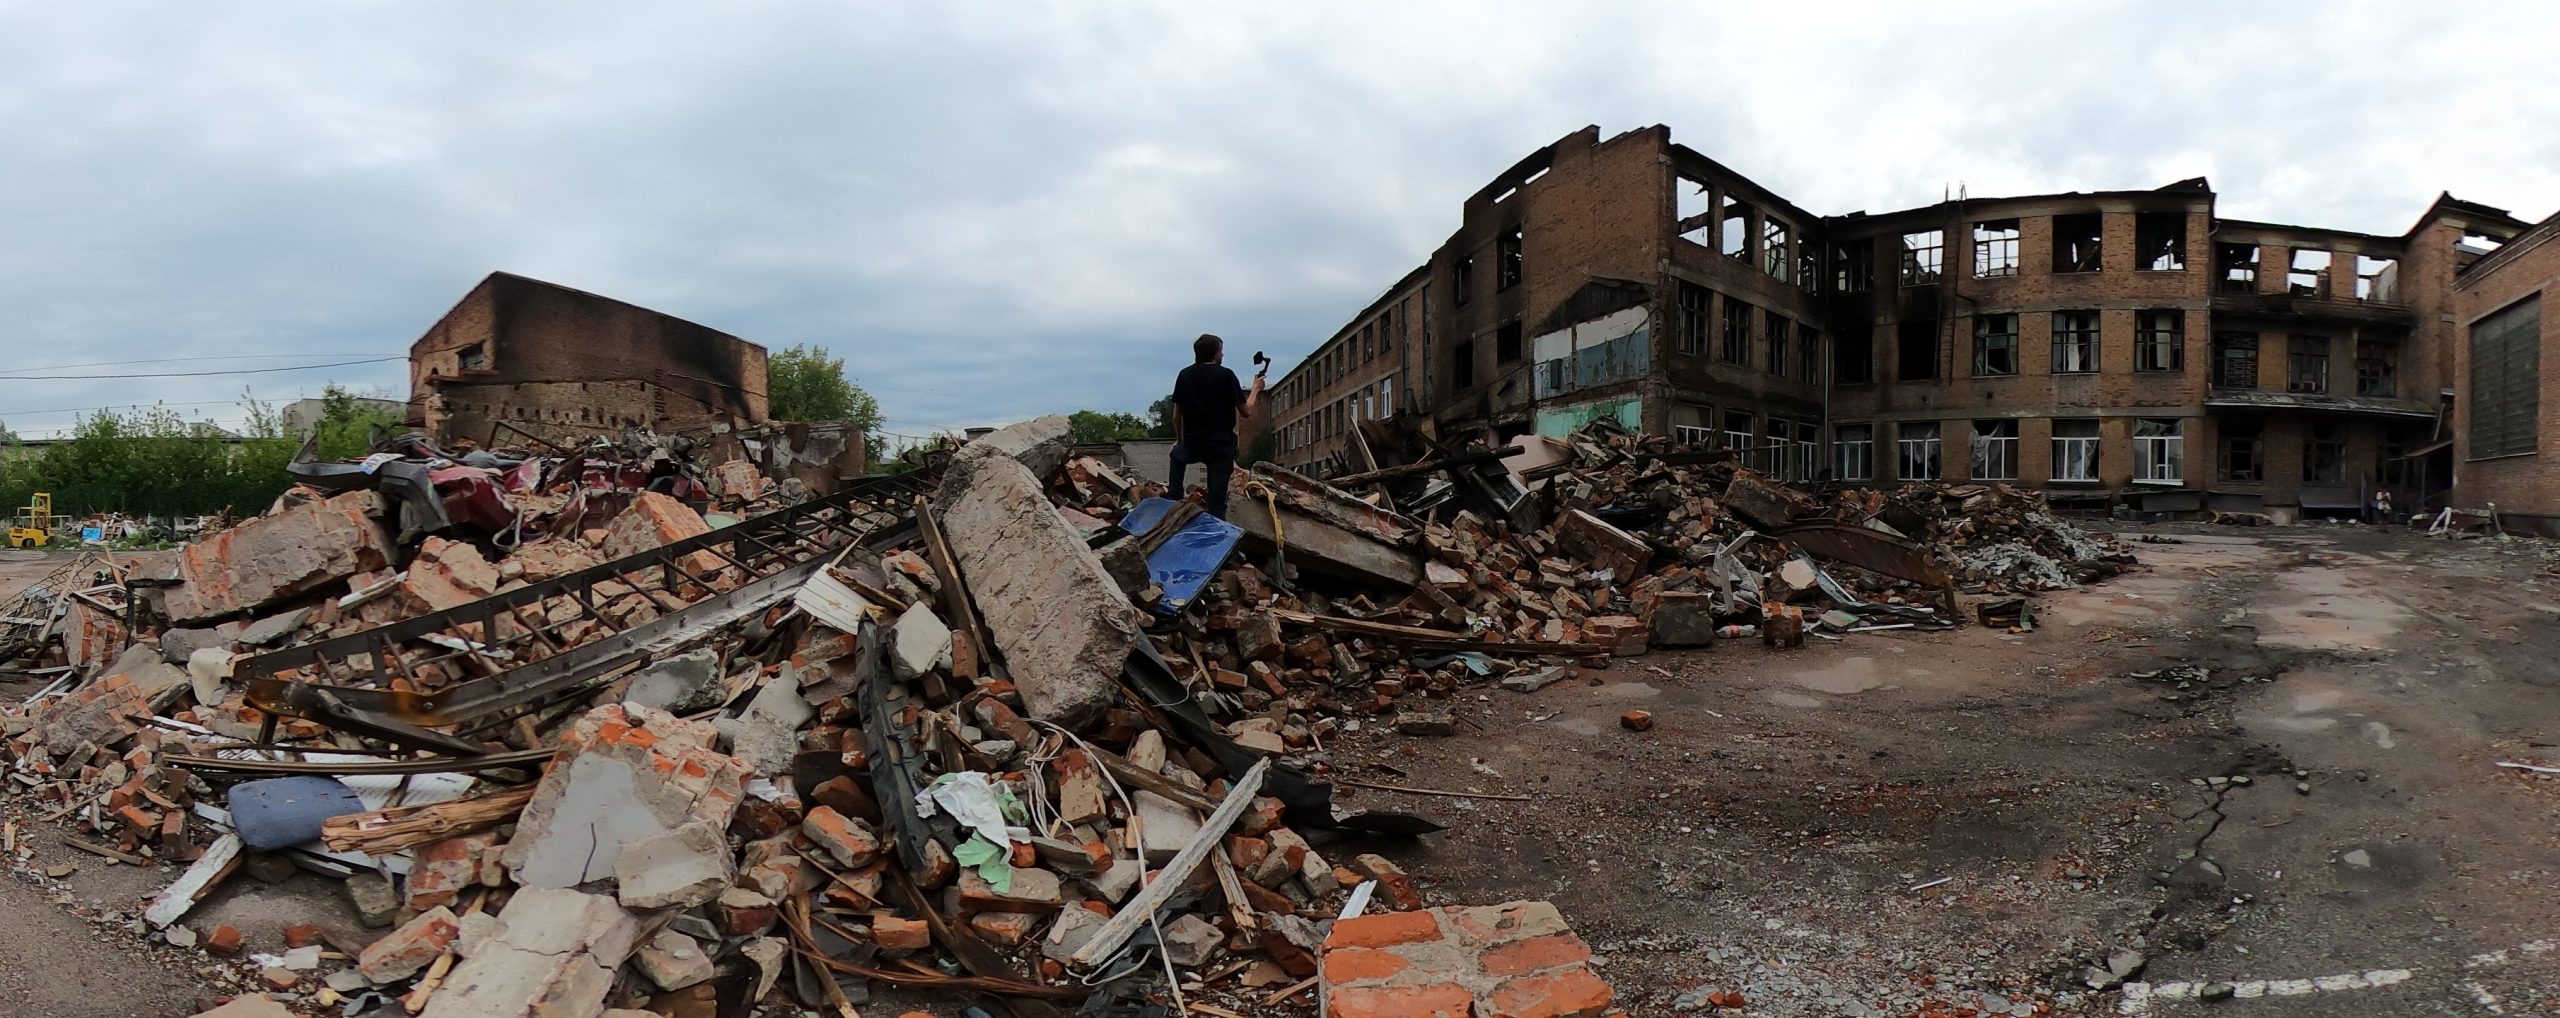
(1736, 229)
(2506, 381)
(1855, 448)
(2235, 267)
(1778, 341)
(1774, 257)
(1920, 257)
(1995, 450)
(1853, 357)
(2160, 241)
(1915, 352)
(2076, 240)
(1462, 364)
(1506, 255)
(2159, 450)
(1995, 248)
(2240, 454)
(2324, 454)
(2235, 360)
(1995, 345)
(1807, 453)
(1809, 267)
(1853, 266)
(1737, 332)
(1917, 442)
(1462, 281)
(1368, 343)
(2159, 340)
(2377, 279)
(2394, 465)
(2308, 275)
(1809, 353)
(2075, 342)
(1693, 319)
(1692, 210)
(2306, 365)
(474, 357)
(1777, 454)
(1691, 434)
(2377, 368)
(1737, 429)
(2075, 449)
(1506, 343)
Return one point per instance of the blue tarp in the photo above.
(1185, 564)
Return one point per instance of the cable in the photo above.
(166, 360)
(200, 374)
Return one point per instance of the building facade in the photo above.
(2506, 374)
(1364, 371)
(2120, 345)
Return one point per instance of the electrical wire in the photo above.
(201, 374)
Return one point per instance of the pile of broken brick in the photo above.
(1013, 729)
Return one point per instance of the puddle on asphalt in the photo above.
(1851, 675)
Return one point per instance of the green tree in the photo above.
(1160, 418)
(804, 384)
(1086, 427)
(348, 422)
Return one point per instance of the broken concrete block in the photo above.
(440, 871)
(655, 520)
(682, 684)
(1531, 682)
(176, 645)
(404, 951)
(447, 574)
(673, 961)
(208, 674)
(1068, 934)
(376, 904)
(1602, 544)
(274, 629)
(614, 782)
(102, 713)
(741, 912)
(1191, 941)
(674, 869)
(919, 643)
(1080, 792)
(551, 954)
(1063, 625)
(767, 734)
(1168, 825)
(278, 556)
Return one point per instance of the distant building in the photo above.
(518, 354)
(302, 415)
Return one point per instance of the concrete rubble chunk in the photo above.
(177, 645)
(673, 961)
(919, 643)
(273, 629)
(680, 684)
(1191, 941)
(768, 732)
(1063, 625)
(101, 713)
(447, 574)
(1683, 619)
(1068, 934)
(674, 869)
(615, 782)
(278, 556)
(655, 520)
(551, 954)
(1605, 546)
(1169, 825)
(1531, 682)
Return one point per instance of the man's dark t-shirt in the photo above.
(1208, 396)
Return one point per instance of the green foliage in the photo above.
(152, 462)
(1092, 426)
(1160, 418)
(347, 424)
(804, 384)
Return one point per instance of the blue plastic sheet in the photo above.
(1183, 566)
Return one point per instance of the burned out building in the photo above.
(525, 356)
(2123, 345)
(2506, 377)
(1362, 372)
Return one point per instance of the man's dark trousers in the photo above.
(1216, 454)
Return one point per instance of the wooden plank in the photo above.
(1107, 941)
(207, 873)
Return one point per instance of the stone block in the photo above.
(919, 643)
(1684, 619)
(1603, 546)
(614, 781)
(672, 960)
(1167, 825)
(680, 868)
(176, 645)
(552, 953)
(271, 558)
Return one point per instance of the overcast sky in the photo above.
(993, 210)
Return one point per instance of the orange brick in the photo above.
(1445, 1000)
(1385, 929)
(1351, 965)
(1536, 955)
(1573, 993)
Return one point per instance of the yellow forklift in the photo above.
(34, 526)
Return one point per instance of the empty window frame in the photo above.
(1995, 450)
(1995, 345)
(1854, 451)
(2235, 360)
(2506, 381)
(2240, 451)
(2075, 449)
(1462, 364)
(2159, 450)
(1809, 267)
(2076, 242)
(1462, 281)
(1853, 357)
(1694, 323)
(2159, 340)
(2377, 368)
(2160, 241)
(1995, 248)
(2377, 279)
(1734, 228)
(1736, 345)
(1807, 452)
(2075, 342)
(1692, 211)
(2235, 268)
(1506, 343)
(2308, 274)
(1915, 352)
(1916, 445)
(1506, 253)
(2324, 454)
(1778, 451)
(1853, 265)
(2306, 364)
(1778, 340)
(1368, 343)
(1808, 353)
(1920, 257)
(1775, 259)
(1737, 429)
(1691, 434)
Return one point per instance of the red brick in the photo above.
(1446, 1000)
(1349, 966)
(303, 935)
(850, 841)
(1574, 993)
(895, 933)
(1537, 955)
(1384, 929)
(404, 951)
(224, 940)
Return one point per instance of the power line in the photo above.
(199, 374)
(167, 360)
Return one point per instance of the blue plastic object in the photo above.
(276, 812)
(1185, 563)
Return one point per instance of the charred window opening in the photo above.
(2235, 267)
(474, 357)
(2075, 342)
(2076, 242)
(1995, 345)
(1462, 281)
(2377, 279)
(1694, 325)
(2324, 455)
(1995, 450)
(1462, 364)
(1809, 267)
(1735, 233)
(1853, 266)
(1995, 248)
(2235, 360)
(1920, 257)
(1737, 429)
(2242, 452)
(2160, 241)
(1915, 352)
(2377, 369)
(1506, 343)
(1855, 446)
(2306, 367)
(2308, 274)
(1809, 347)
(1369, 342)
(1778, 341)
(1774, 257)
(2160, 341)
(1506, 251)
(1693, 211)
(1853, 357)
(1736, 348)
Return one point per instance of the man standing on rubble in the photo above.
(1207, 403)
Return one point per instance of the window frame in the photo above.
(2062, 448)
(2231, 436)
(1697, 321)
(1995, 250)
(1864, 445)
(2067, 259)
(1990, 453)
(1734, 342)
(2146, 238)
(1927, 449)
(1923, 264)
(2083, 341)
(2149, 341)
(2306, 364)
(2318, 438)
(1777, 333)
(1986, 340)
(2160, 459)
(1508, 268)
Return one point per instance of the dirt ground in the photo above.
(1905, 823)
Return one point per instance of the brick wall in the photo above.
(2528, 483)
(1312, 410)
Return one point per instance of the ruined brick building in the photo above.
(2120, 345)
(556, 363)
(2507, 375)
